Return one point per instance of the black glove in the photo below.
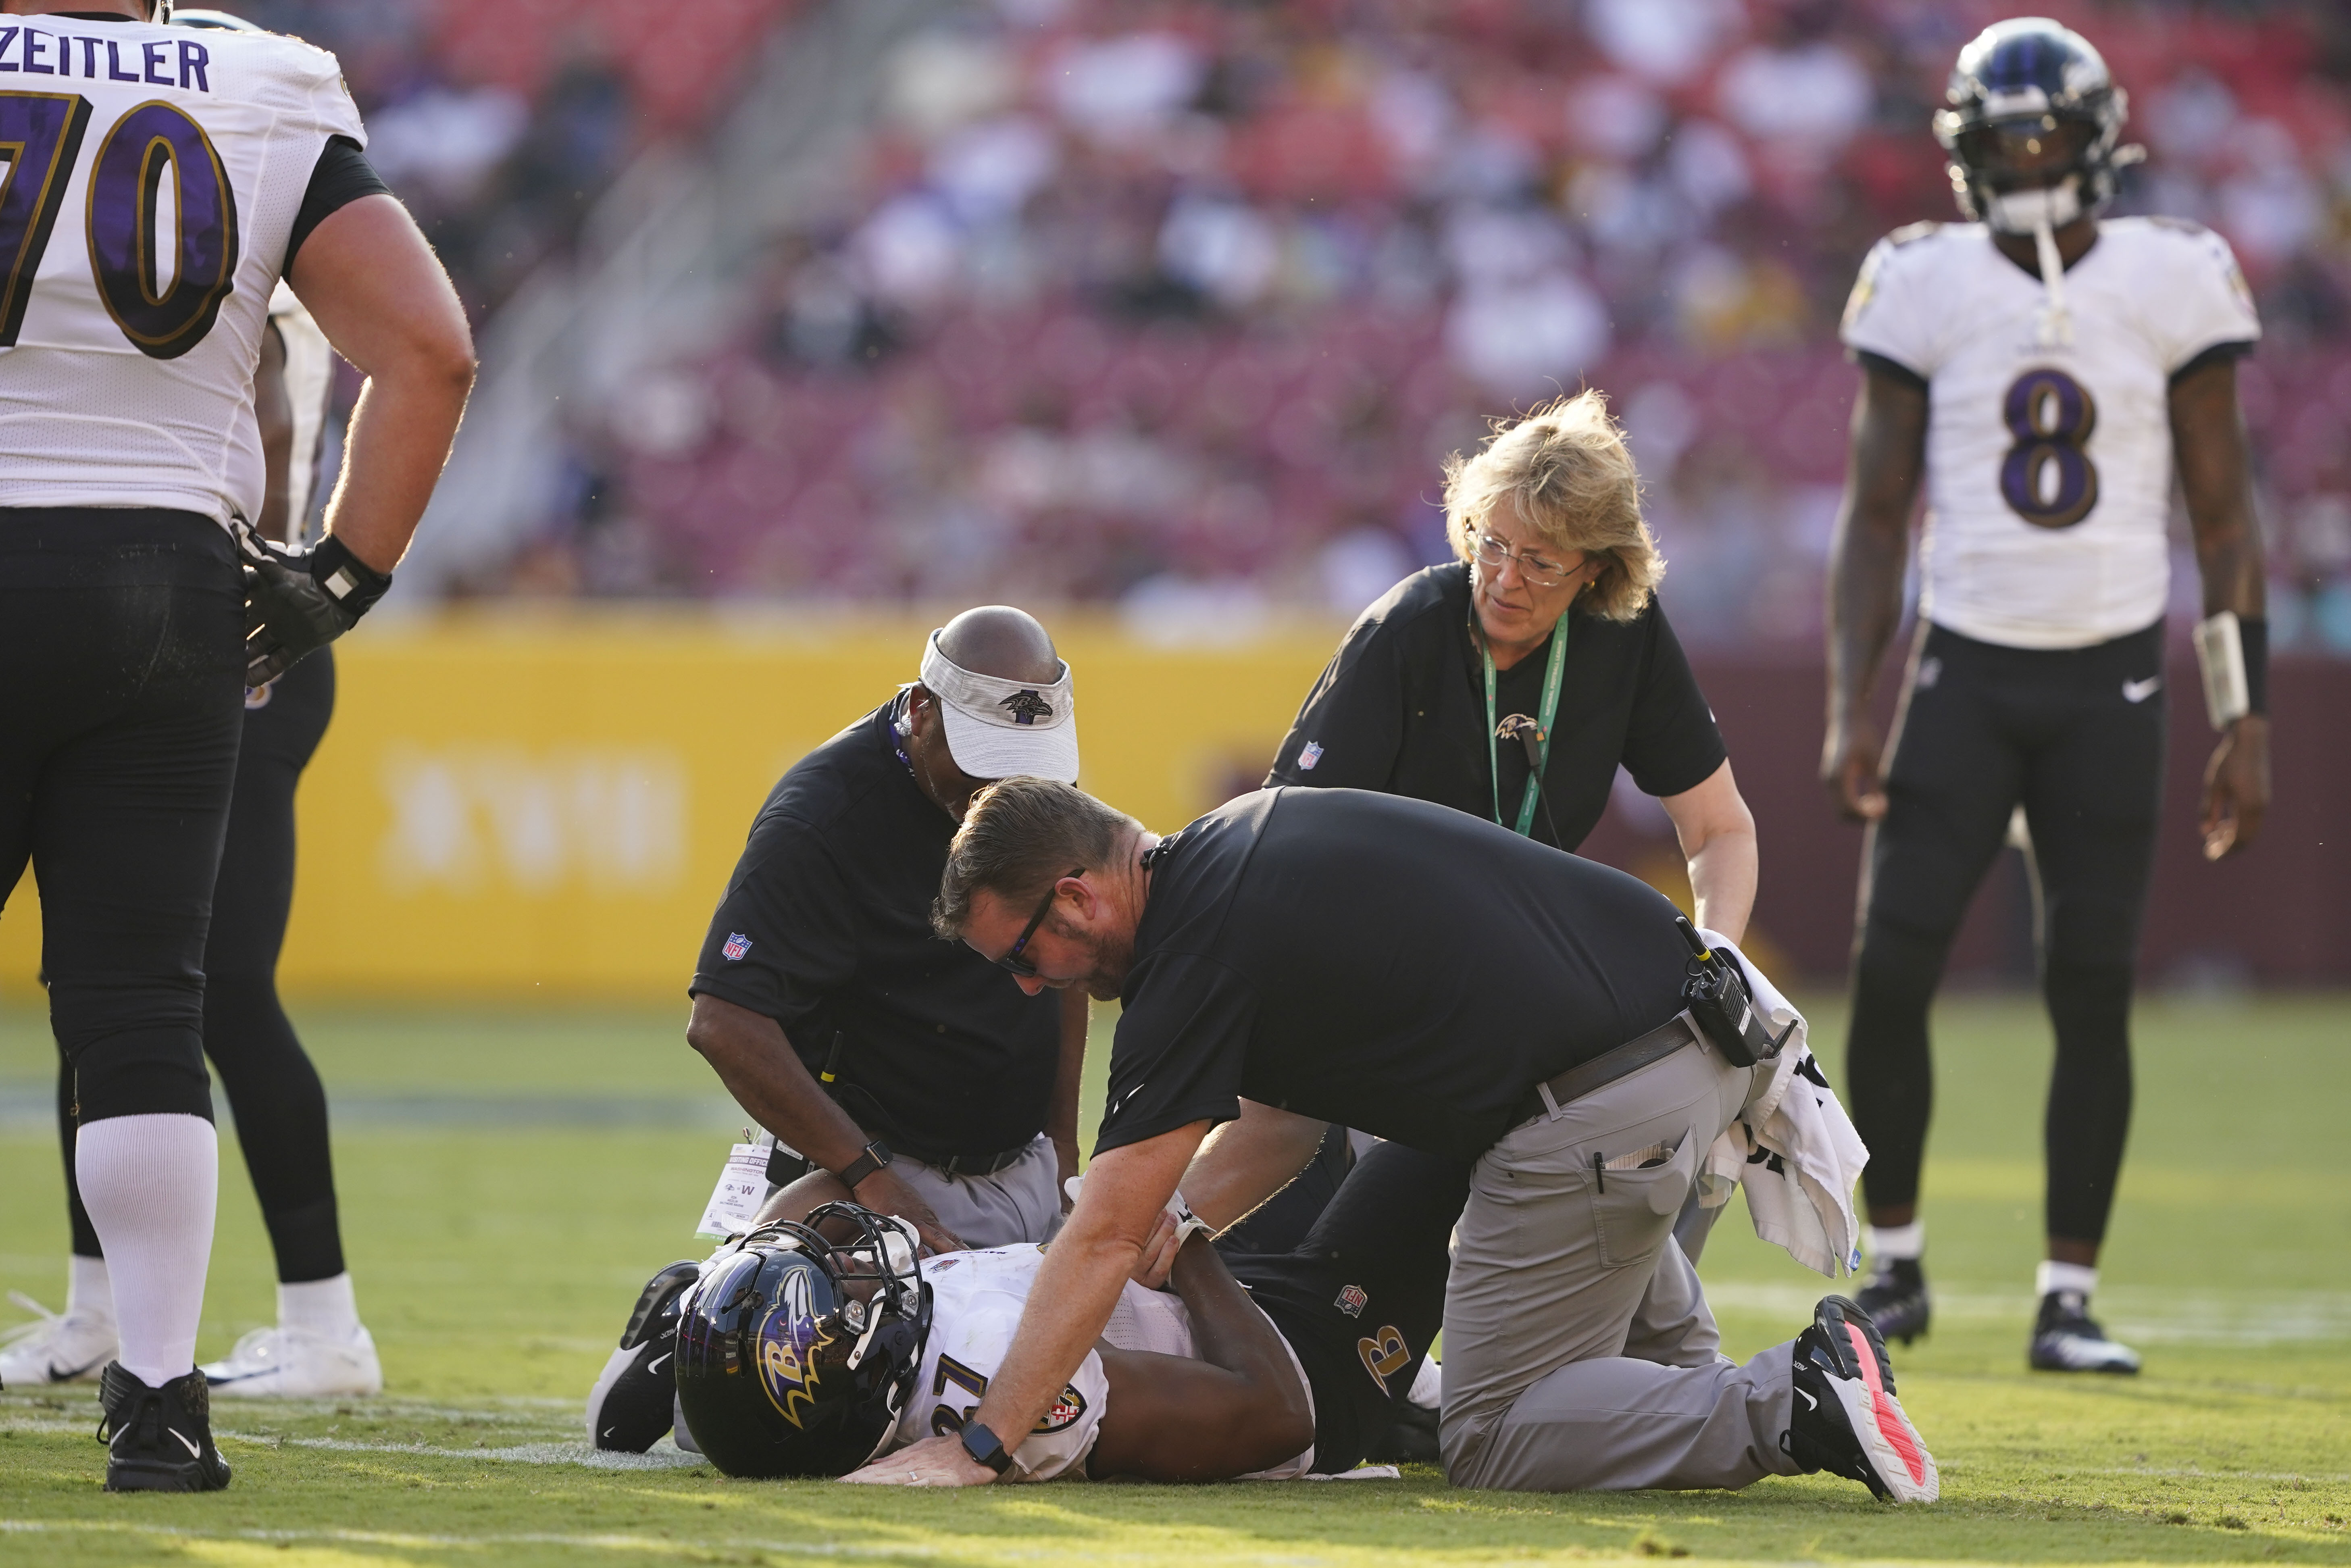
(296, 600)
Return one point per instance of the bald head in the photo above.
(998, 640)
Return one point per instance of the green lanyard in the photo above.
(1543, 725)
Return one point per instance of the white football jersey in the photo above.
(309, 382)
(156, 177)
(976, 1302)
(2049, 466)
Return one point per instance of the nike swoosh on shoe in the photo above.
(193, 1451)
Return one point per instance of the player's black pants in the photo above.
(122, 643)
(1363, 1295)
(2075, 735)
(280, 1106)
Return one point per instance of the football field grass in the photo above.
(509, 1180)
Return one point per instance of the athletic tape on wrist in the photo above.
(2232, 653)
(1188, 1223)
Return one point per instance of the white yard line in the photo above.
(2131, 1312)
(660, 1456)
(701, 1547)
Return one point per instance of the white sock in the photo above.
(1428, 1384)
(89, 1294)
(1897, 1243)
(2055, 1276)
(325, 1307)
(150, 1184)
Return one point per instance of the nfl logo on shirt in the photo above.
(1309, 757)
(1352, 1301)
(735, 944)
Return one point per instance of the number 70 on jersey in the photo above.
(153, 152)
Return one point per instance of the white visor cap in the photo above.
(997, 728)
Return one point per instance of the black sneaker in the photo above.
(1842, 1415)
(2065, 1338)
(1895, 1299)
(635, 1401)
(158, 1439)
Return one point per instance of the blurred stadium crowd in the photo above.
(1179, 303)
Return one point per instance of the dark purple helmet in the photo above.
(796, 1354)
(2032, 107)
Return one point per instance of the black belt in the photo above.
(1622, 1061)
(784, 1167)
(967, 1164)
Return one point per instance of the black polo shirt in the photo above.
(826, 928)
(1402, 709)
(1379, 962)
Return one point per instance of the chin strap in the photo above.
(2041, 212)
(2056, 322)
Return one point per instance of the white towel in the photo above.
(1793, 1146)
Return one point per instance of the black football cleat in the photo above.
(2065, 1338)
(1895, 1299)
(1842, 1415)
(635, 1401)
(159, 1440)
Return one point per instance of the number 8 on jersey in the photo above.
(2047, 477)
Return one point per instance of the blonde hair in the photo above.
(1565, 471)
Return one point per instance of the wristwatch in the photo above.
(985, 1447)
(869, 1158)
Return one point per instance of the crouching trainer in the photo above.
(1298, 956)
(906, 1066)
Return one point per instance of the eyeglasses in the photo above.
(1012, 960)
(1535, 570)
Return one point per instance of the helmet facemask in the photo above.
(2031, 130)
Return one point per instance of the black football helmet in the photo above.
(796, 1354)
(2017, 85)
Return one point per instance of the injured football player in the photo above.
(821, 1341)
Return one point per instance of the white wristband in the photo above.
(2221, 654)
(1188, 1223)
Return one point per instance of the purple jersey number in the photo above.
(153, 143)
(41, 133)
(2047, 477)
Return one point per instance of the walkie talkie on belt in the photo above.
(1717, 998)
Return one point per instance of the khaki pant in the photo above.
(1579, 1351)
(1022, 1202)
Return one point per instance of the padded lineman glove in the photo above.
(296, 601)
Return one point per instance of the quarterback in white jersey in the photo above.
(2048, 451)
(161, 182)
(2050, 373)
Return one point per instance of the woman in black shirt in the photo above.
(1512, 683)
